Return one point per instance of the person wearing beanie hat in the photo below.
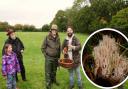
(18, 48)
(51, 50)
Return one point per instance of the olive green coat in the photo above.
(51, 47)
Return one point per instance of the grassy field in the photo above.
(34, 63)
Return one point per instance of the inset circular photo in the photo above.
(104, 58)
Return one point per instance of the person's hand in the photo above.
(22, 51)
(71, 47)
(17, 88)
(65, 50)
(5, 77)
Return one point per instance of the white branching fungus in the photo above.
(109, 63)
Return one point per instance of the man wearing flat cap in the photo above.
(18, 48)
(51, 50)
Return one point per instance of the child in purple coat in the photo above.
(10, 66)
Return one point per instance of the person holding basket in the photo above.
(71, 47)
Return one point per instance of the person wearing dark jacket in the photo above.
(51, 50)
(18, 48)
(73, 47)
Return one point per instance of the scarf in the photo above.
(69, 49)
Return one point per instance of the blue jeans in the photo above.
(72, 72)
(11, 81)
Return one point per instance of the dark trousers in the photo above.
(50, 71)
(22, 68)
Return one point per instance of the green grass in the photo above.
(34, 63)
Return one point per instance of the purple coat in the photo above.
(10, 64)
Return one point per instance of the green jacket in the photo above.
(75, 53)
(51, 47)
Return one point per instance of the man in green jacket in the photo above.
(51, 50)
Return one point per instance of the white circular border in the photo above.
(110, 29)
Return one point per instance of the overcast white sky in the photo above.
(36, 12)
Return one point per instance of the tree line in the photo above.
(88, 17)
(18, 27)
(85, 17)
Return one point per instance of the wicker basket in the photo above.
(66, 63)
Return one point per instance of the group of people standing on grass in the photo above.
(51, 48)
(12, 60)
